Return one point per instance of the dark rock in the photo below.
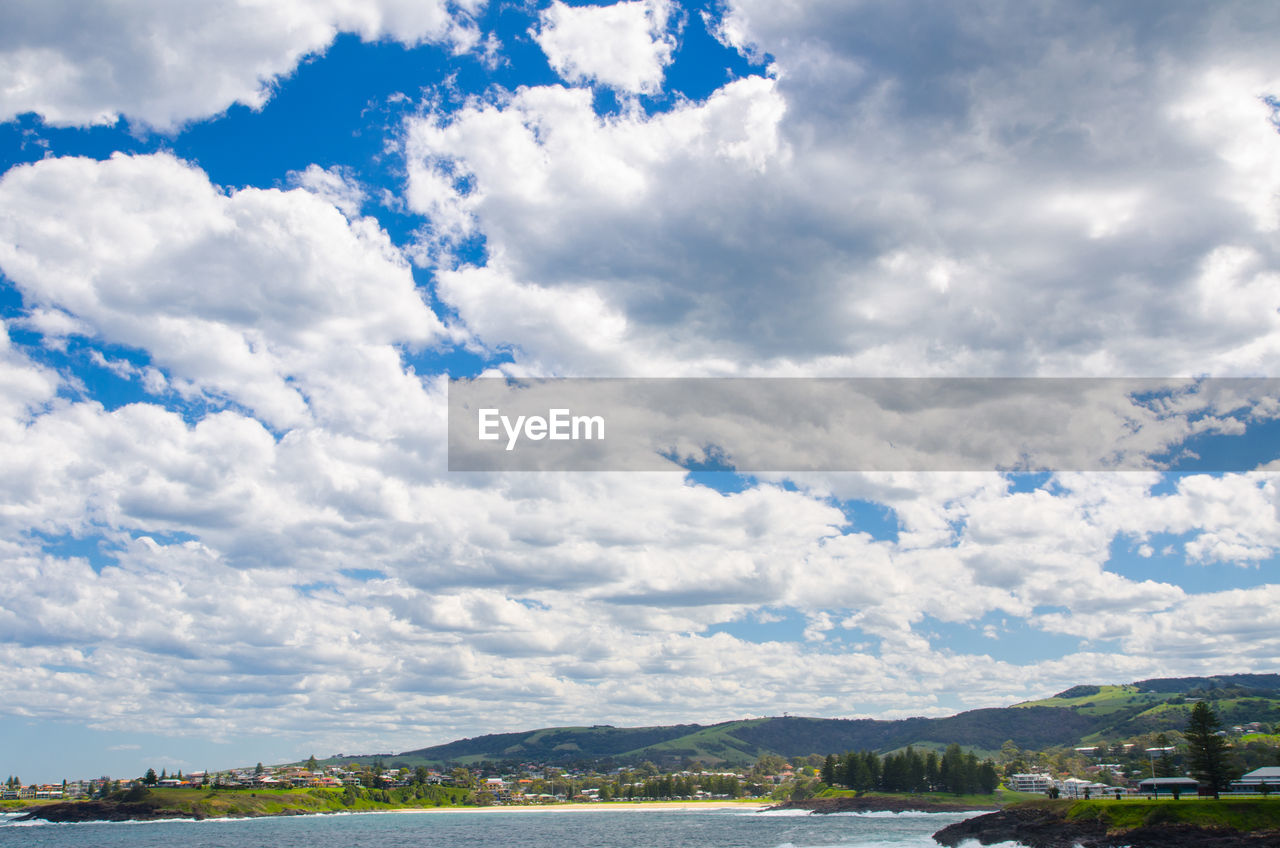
(1033, 827)
(1048, 828)
(879, 803)
(86, 811)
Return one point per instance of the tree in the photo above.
(988, 779)
(150, 778)
(259, 769)
(932, 773)
(952, 770)
(767, 764)
(829, 770)
(1164, 765)
(312, 765)
(1206, 749)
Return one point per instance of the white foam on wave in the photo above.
(775, 813)
(917, 841)
(908, 814)
(131, 822)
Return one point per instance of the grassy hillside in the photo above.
(1082, 714)
(549, 744)
(1162, 704)
(743, 742)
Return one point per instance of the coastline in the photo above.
(89, 812)
(886, 803)
(596, 807)
(1133, 823)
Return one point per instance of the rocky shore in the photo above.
(86, 811)
(882, 803)
(1049, 828)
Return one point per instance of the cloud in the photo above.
(988, 193)
(257, 296)
(336, 185)
(25, 387)
(625, 46)
(269, 540)
(580, 213)
(161, 65)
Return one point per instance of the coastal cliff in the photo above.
(1139, 824)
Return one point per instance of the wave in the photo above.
(37, 822)
(868, 814)
(908, 814)
(775, 813)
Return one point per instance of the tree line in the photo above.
(681, 786)
(956, 771)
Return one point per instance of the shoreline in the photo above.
(1123, 824)
(594, 807)
(36, 814)
(887, 803)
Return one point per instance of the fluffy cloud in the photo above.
(257, 296)
(571, 204)
(268, 539)
(24, 386)
(1044, 192)
(625, 46)
(162, 64)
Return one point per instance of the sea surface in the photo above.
(625, 828)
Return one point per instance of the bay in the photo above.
(516, 828)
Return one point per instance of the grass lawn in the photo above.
(1127, 813)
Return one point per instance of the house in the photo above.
(1030, 782)
(1171, 785)
(1256, 779)
(500, 789)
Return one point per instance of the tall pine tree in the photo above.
(1207, 751)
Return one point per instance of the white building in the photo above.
(1074, 787)
(1253, 781)
(1030, 782)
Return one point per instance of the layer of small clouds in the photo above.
(161, 64)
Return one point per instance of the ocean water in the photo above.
(623, 828)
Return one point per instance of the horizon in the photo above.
(246, 252)
(344, 756)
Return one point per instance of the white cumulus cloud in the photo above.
(626, 46)
(235, 293)
(161, 64)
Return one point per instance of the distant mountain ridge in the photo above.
(1081, 714)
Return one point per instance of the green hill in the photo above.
(1161, 704)
(1084, 713)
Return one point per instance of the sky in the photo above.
(245, 246)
